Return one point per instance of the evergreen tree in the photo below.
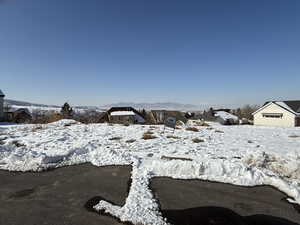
(66, 111)
(144, 113)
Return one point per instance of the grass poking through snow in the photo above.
(194, 129)
(219, 131)
(115, 138)
(197, 140)
(172, 136)
(175, 158)
(294, 136)
(148, 136)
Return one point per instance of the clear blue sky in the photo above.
(93, 52)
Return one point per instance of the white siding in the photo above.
(287, 119)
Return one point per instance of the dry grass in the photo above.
(69, 124)
(115, 138)
(209, 128)
(175, 158)
(179, 123)
(172, 136)
(219, 131)
(43, 119)
(149, 132)
(294, 136)
(197, 140)
(178, 128)
(147, 136)
(36, 128)
(194, 129)
(201, 123)
(130, 141)
(275, 164)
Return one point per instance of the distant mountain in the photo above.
(22, 103)
(163, 105)
(44, 108)
(147, 106)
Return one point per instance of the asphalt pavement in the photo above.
(65, 196)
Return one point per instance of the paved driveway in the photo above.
(58, 197)
(62, 197)
(187, 202)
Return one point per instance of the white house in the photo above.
(278, 113)
(124, 115)
(1, 105)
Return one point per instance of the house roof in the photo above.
(122, 113)
(225, 115)
(294, 105)
(1, 94)
(124, 109)
(291, 106)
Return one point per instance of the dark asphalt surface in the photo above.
(60, 197)
(186, 202)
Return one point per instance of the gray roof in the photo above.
(1, 94)
(294, 105)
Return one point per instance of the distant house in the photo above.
(278, 113)
(123, 115)
(1, 106)
(161, 115)
(19, 115)
(226, 118)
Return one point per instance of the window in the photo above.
(273, 115)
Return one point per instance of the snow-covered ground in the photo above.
(241, 155)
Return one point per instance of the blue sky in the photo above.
(95, 52)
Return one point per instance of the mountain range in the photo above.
(147, 106)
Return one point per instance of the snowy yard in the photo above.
(241, 155)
